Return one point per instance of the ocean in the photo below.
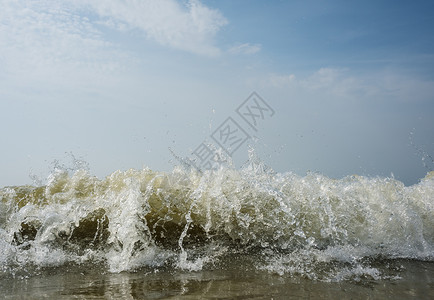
(248, 233)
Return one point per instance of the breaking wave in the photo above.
(311, 226)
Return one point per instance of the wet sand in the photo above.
(416, 282)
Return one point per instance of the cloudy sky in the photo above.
(117, 83)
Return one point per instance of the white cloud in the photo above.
(45, 35)
(53, 44)
(338, 82)
(245, 48)
(325, 80)
(376, 85)
(276, 80)
(48, 35)
(343, 84)
(190, 27)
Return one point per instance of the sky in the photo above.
(345, 87)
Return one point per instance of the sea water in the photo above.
(215, 226)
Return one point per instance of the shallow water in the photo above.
(416, 282)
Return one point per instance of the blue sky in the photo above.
(116, 83)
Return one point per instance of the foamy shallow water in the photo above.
(312, 226)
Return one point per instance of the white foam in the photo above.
(297, 221)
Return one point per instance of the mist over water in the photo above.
(311, 226)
